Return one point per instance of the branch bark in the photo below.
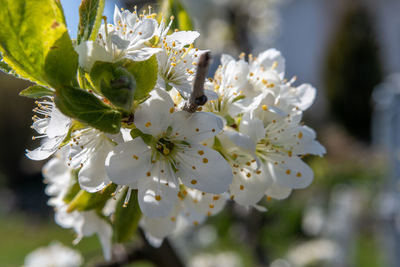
(198, 98)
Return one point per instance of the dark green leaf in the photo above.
(127, 217)
(36, 91)
(85, 107)
(84, 201)
(90, 14)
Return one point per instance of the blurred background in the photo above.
(349, 216)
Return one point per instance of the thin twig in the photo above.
(198, 98)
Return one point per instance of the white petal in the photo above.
(47, 148)
(128, 162)
(161, 227)
(196, 127)
(94, 224)
(225, 59)
(305, 94)
(58, 125)
(182, 38)
(145, 29)
(119, 42)
(292, 173)
(156, 199)
(307, 143)
(249, 185)
(93, 176)
(278, 192)
(154, 116)
(90, 52)
(254, 128)
(204, 203)
(117, 15)
(239, 139)
(142, 54)
(268, 58)
(40, 125)
(204, 169)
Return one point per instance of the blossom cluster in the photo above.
(246, 143)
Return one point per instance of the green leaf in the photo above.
(114, 82)
(175, 8)
(4, 66)
(90, 14)
(61, 63)
(145, 74)
(127, 217)
(36, 91)
(84, 201)
(34, 41)
(85, 107)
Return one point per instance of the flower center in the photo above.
(164, 146)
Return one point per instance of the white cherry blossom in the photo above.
(59, 178)
(192, 208)
(54, 255)
(173, 155)
(53, 127)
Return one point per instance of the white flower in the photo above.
(128, 37)
(54, 127)
(173, 152)
(281, 146)
(266, 74)
(54, 255)
(230, 81)
(59, 178)
(221, 259)
(88, 150)
(192, 209)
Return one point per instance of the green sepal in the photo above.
(90, 15)
(127, 217)
(147, 138)
(74, 189)
(36, 91)
(229, 120)
(84, 200)
(116, 83)
(145, 73)
(87, 108)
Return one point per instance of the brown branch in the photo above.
(198, 98)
